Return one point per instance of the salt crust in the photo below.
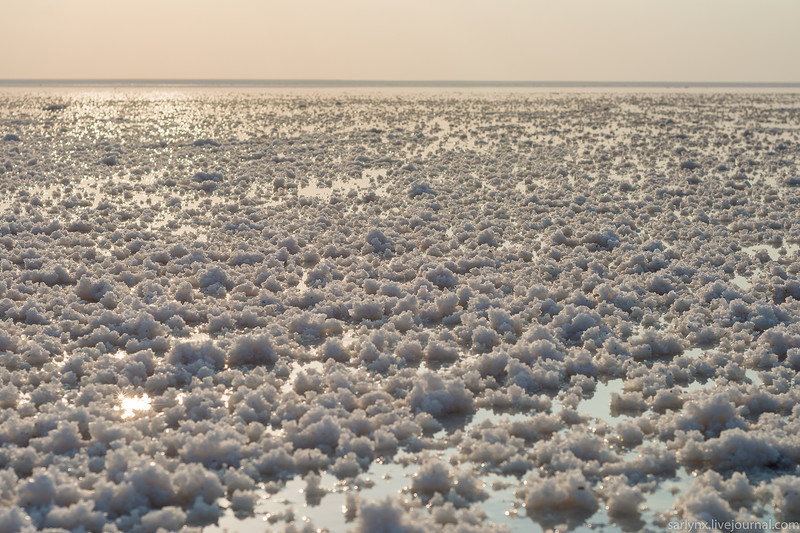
(518, 261)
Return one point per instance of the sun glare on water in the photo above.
(129, 404)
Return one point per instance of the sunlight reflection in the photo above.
(129, 404)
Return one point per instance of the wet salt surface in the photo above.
(349, 309)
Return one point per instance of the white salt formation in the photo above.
(398, 311)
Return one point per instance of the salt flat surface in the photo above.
(394, 308)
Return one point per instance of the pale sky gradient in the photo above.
(513, 40)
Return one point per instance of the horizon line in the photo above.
(343, 83)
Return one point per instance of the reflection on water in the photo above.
(130, 404)
(662, 498)
(296, 368)
(775, 251)
(330, 509)
(599, 406)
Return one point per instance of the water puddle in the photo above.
(598, 406)
(330, 506)
(741, 281)
(291, 504)
(482, 415)
(663, 497)
(327, 505)
(753, 376)
(774, 251)
(311, 367)
(503, 507)
(694, 352)
(370, 177)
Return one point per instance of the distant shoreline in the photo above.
(389, 84)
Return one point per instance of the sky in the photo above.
(480, 40)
